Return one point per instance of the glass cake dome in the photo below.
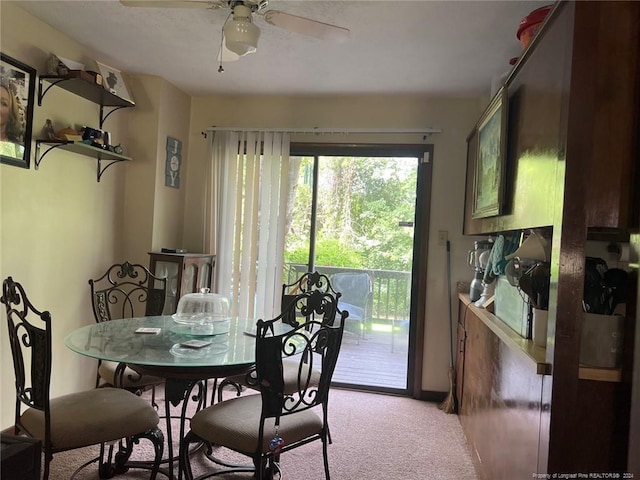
(205, 309)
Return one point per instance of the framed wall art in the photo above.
(112, 80)
(173, 163)
(17, 91)
(489, 175)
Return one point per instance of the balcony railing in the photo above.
(390, 299)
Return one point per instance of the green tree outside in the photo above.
(361, 201)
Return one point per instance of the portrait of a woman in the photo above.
(11, 124)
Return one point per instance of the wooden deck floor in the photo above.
(378, 360)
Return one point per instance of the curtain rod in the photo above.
(317, 130)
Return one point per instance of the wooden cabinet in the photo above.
(185, 273)
(20, 457)
(500, 405)
(461, 338)
(573, 98)
(572, 167)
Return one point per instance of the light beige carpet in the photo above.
(375, 437)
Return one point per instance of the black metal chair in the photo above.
(126, 290)
(265, 426)
(77, 420)
(309, 281)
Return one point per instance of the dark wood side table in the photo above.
(20, 458)
(185, 273)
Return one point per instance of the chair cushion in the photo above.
(131, 378)
(290, 375)
(235, 423)
(91, 417)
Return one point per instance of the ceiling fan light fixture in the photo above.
(240, 34)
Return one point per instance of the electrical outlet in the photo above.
(443, 236)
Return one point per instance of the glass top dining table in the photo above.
(168, 352)
(229, 349)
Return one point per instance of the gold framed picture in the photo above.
(491, 158)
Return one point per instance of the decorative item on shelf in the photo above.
(530, 24)
(86, 76)
(57, 65)
(97, 78)
(17, 89)
(99, 139)
(93, 137)
(116, 149)
(173, 250)
(113, 82)
(48, 133)
(69, 134)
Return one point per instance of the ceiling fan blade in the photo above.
(306, 26)
(212, 4)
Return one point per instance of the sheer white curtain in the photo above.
(245, 218)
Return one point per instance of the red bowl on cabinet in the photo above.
(530, 24)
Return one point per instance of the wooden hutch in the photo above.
(572, 169)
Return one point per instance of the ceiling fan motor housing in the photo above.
(254, 6)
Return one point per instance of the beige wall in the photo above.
(54, 220)
(59, 227)
(154, 215)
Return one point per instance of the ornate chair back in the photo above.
(310, 281)
(31, 353)
(127, 290)
(74, 420)
(314, 344)
(294, 315)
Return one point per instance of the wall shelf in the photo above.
(526, 349)
(101, 155)
(85, 88)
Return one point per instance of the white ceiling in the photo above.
(429, 47)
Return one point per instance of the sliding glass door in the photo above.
(351, 216)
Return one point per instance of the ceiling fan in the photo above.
(240, 33)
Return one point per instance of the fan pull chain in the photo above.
(220, 69)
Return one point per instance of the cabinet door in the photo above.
(172, 270)
(460, 368)
(197, 274)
